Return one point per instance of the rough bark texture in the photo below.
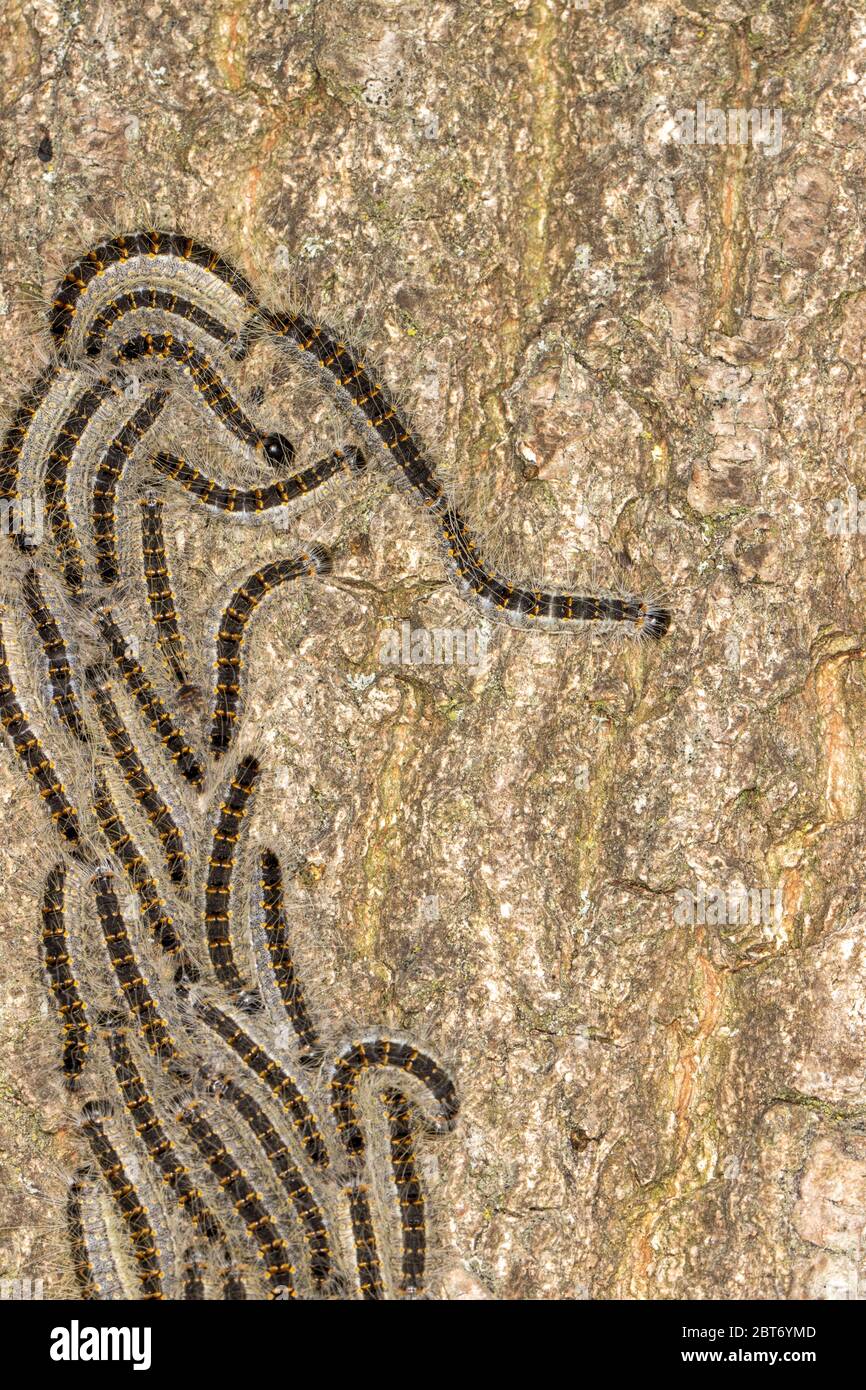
(628, 348)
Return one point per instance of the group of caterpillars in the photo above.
(253, 1174)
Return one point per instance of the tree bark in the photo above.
(639, 358)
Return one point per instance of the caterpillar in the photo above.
(193, 1278)
(205, 380)
(121, 249)
(114, 461)
(56, 475)
(367, 1260)
(13, 443)
(30, 752)
(286, 977)
(274, 1077)
(135, 866)
(300, 1193)
(272, 1248)
(64, 986)
(160, 1148)
(410, 1196)
(373, 407)
(134, 988)
(151, 298)
(151, 705)
(230, 635)
(159, 593)
(82, 1265)
(133, 1215)
(217, 915)
(367, 1053)
(281, 492)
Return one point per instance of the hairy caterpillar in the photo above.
(360, 1056)
(127, 854)
(300, 1193)
(230, 636)
(162, 1151)
(61, 976)
(259, 1223)
(29, 750)
(56, 471)
(164, 614)
(150, 703)
(82, 1263)
(139, 1000)
(193, 1279)
(282, 1086)
(220, 865)
(278, 493)
(367, 1260)
(133, 1215)
(63, 695)
(114, 460)
(124, 248)
(410, 1195)
(282, 964)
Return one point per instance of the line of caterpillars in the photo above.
(301, 1159)
(361, 393)
(283, 1158)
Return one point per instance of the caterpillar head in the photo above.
(278, 449)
